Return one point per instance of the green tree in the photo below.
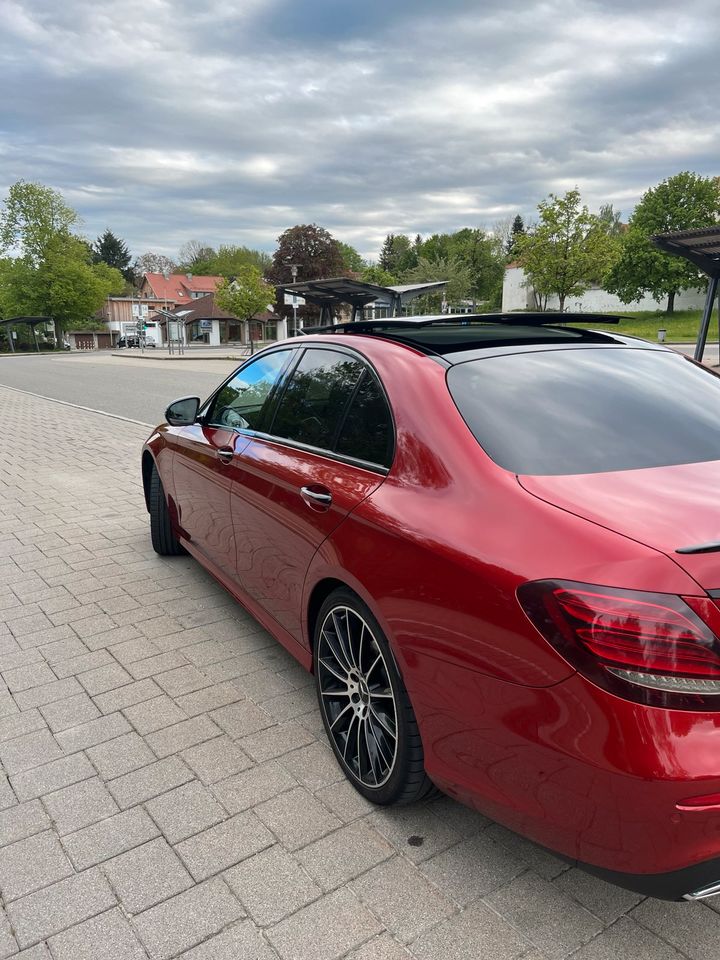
(398, 254)
(352, 260)
(203, 260)
(73, 287)
(114, 252)
(230, 260)
(374, 273)
(315, 253)
(20, 293)
(517, 230)
(479, 253)
(65, 285)
(567, 252)
(457, 273)
(32, 216)
(195, 257)
(386, 253)
(53, 273)
(610, 220)
(484, 257)
(245, 295)
(685, 201)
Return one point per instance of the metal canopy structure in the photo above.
(702, 248)
(31, 322)
(328, 294)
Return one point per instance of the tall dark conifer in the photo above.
(114, 252)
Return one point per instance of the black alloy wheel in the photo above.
(364, 705)
(163, 539)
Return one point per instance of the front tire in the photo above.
(365, 708)
(163, 539)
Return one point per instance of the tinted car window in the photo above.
(589, 411)
(240, 404)
(316, 397)
(367, 431)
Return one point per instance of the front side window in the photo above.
(241, 403)
(316, 398)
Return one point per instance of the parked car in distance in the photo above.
(495, 540)
(134, 341)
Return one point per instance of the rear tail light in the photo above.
(650, 647)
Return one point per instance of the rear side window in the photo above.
(589, 411)
(367, 432)
(316, 397)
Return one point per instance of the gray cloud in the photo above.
(231, 122)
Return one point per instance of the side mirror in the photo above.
(183, 412)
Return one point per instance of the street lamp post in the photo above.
(293, 274)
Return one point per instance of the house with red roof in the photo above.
(177, 288)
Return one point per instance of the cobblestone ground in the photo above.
(167, 789)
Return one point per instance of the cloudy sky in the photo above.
(230, 120)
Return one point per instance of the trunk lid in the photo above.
(661, 507)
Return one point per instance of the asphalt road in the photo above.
(129, 387)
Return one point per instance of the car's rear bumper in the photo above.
(601, 781)
(697, 882)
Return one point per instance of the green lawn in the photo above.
(681, 325)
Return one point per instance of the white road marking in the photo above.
(77, 406)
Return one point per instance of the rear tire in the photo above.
(364, 705)
(163, 539)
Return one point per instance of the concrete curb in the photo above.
(150, 356)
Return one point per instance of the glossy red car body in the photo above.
(438, 548)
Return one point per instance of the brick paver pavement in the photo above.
(166, 788)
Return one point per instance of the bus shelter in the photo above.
(331, 293)
(31, 322)
(702, 248)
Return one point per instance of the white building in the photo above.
(517, 295)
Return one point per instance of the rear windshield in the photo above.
(589, 411)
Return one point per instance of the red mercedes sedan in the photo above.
(495, 541)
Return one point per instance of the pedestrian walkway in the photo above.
(167, 789)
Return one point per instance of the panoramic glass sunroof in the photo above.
(449, 339)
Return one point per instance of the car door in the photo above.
(204, 452)
(295, 483)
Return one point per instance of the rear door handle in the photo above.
(225, 454)
(316, 497)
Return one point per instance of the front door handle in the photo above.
(225, 454)
(317, 497)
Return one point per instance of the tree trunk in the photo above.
(671, 302)
(562, 302)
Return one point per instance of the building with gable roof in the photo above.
(177, 288)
